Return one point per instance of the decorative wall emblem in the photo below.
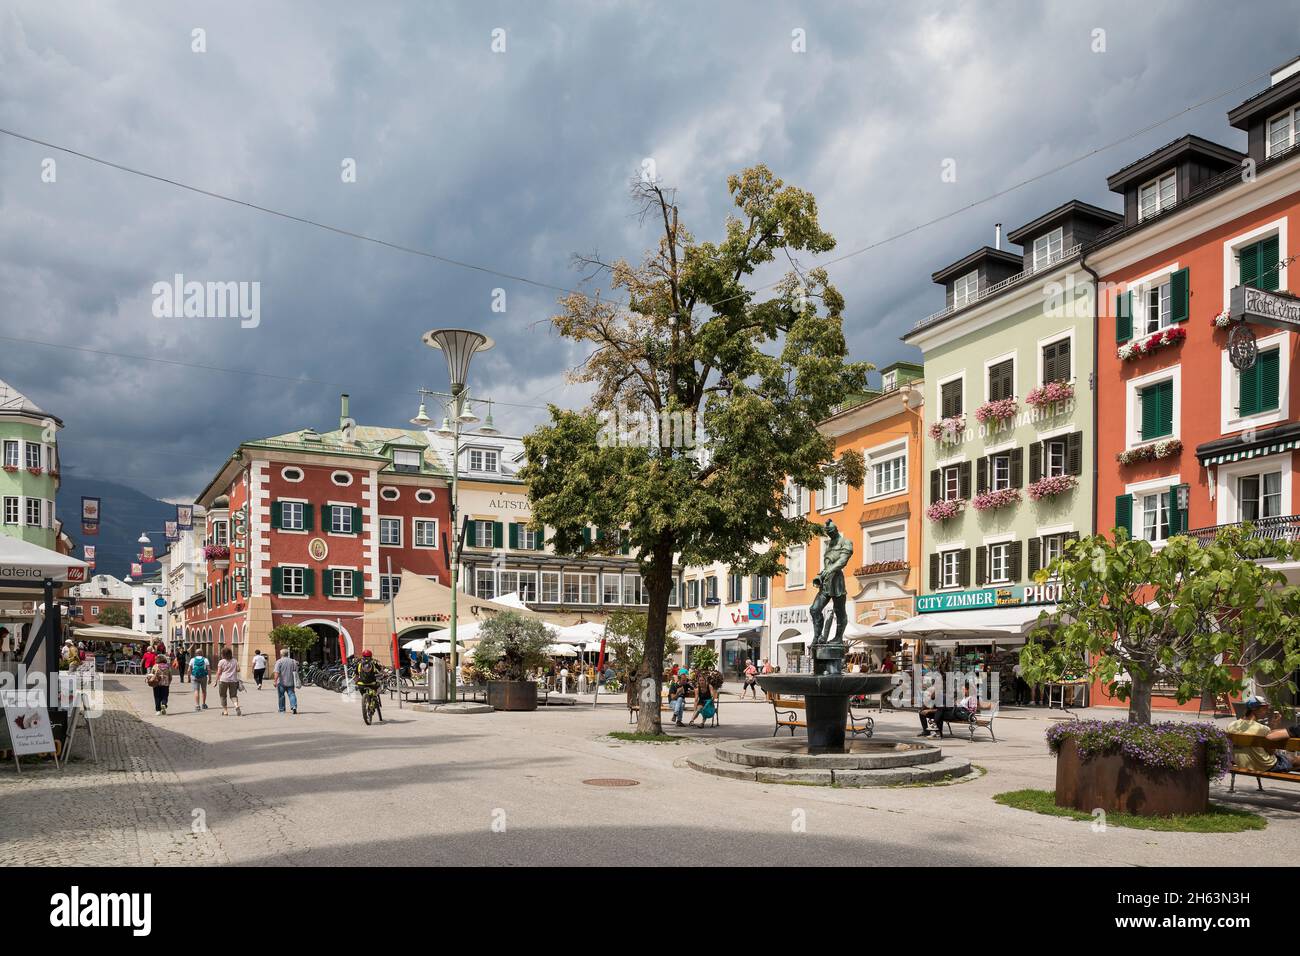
(318, 549)
(1242, 350)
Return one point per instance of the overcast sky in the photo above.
(515, 161)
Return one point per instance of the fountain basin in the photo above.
(826, 702)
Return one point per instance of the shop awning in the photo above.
(686, 638)
(796, 639)
(1003, 624)
(24, 567)
(730, 633)
(120, 635)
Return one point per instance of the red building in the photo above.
(303, 528)
(1188, 442)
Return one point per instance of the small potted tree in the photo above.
(510, 647)
(1187, 616)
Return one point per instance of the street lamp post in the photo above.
(458, 347)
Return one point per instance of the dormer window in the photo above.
(1157, 195)
(483, 460)
(965, 288)
(1048, 248)
(1283, 131)
(889, 381)
(404, 460)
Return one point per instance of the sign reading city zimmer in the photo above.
(1274, 309)
(1017, 595)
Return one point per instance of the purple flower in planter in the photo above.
(1169, 745)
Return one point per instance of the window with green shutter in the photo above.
(1259, 385)
(1157, 410)
(275, 514)
(514, 535)
(496, 534)
(1124, 513)
(1179, 295)
(1124, 317)
(277, 585)
(358, 584)
(1258, 264)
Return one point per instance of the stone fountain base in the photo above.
(864, 763)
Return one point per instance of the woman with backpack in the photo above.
(160, 679)
(199, 678)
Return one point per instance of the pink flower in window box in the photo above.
(1173, 335)
(216, 552)
(998, 410)
(36, 471)
(1051, 487)
(949, 429)
(992, 500)
(1050, 394)
(943, 510)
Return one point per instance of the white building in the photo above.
(184, 573)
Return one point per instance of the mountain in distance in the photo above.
(123, 514)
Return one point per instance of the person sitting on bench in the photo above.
(1260, 759)
(932, 718)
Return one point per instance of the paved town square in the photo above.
(506, 789)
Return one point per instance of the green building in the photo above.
(1008, 416)
(29, 482)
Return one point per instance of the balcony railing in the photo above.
(995, 288)
(1281, 528)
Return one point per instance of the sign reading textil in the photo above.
(1014, 595)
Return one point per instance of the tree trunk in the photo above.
(1139, 698)
(649, 677)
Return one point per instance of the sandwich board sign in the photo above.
(27, 728)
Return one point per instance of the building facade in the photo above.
(882, 518)
(184, 573)
(101, 592)
(1008, 413)
(29, 470)
(1188, 442)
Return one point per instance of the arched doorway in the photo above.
(326, 649)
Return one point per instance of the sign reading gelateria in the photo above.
(1015, 595)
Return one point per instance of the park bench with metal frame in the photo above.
(1249, 740)
(786, 714)
(983, 717)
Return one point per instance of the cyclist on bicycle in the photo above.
(368, 677)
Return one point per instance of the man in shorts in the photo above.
(199, 671)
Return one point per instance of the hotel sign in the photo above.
(1273, 309)
(1013, 595)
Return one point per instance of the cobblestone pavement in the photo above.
(508, 789)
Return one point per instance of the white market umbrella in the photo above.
(561, 650)
(582, 633)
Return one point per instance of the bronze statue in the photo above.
(830, 587)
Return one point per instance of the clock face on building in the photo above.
(1242, 350)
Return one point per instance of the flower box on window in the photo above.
(1052, 486)
(1222, 320)
(218, 554)
(11, 468)
(943, 510)
(948, 430)
(1152, 343)
(1165, 448)
(998, 410)
(1050, 394)
(992, 500)
(36, 471)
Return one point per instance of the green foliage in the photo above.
(510, 647)
(298, 639)
(707, 396)
(1217, 819)
(640, 738)
(114, 616)
(625, 642)
(704, 658)
(1184, 615)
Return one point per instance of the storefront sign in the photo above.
(757, 611)
(1013, 595)
(1273, 309)
(791, 616)
(29, 727)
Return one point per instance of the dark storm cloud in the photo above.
(516, 161)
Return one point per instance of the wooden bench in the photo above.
(665, 707)
(983, 717)
(1249, 740)
(786, 713)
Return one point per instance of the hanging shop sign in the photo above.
(1274, 309)
(1015, 595)
(185, 517)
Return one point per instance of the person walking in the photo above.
(199, 669)
(259, 668)
(147, 661)
(182, 660)
(751, 680)
(160, 679)
(286, 677)
(228, 682)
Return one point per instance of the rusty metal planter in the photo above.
(512, 694)
(1118, 783)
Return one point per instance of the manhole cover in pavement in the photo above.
(611, 782)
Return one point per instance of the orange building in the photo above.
(882, 518)
(1187, 441)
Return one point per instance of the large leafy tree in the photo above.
(707, 395)
(1184, 615)
(115, 616)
